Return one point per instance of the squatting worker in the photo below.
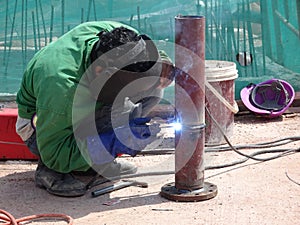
(94, 61)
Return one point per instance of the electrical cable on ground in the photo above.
(11, 220)
(284, 152)
(279, 142)
(291, 179)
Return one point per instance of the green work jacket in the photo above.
(47, 89)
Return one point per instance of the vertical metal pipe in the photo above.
(189, 182)
(190, 35)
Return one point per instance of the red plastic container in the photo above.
(11, 145)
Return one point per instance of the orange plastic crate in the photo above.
(11, 145)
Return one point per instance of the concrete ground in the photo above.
(249, 193)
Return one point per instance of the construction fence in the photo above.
(261, 37)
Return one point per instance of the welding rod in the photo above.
(118, 186)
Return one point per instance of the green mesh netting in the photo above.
(267, 31)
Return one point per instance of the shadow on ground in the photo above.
(18, 190)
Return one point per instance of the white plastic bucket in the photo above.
(219, 100)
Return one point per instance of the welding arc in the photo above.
(11, 220)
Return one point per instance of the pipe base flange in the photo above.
(208, 191)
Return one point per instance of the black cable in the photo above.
(252, 156)
(278, 142)
(291, 179)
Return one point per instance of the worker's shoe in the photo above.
(60, 184)
(115, 169)
(112, 169)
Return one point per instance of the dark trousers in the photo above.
(31, 144)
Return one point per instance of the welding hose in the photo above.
(279, 142)
(245, 155)
(282, 152)
(275, 143)
(11, 220)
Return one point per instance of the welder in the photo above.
(80, 82)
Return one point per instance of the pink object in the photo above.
(270, 98)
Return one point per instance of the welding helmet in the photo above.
(270, 98)
(116, 74)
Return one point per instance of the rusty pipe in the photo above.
(189, 185)
(190, 101)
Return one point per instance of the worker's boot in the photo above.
(58, 183)
(112, 169)
(115, 169)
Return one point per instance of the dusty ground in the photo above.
(250, 193)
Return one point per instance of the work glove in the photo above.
(128, 139)
(107, 117)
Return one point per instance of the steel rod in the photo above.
(62, 17)
(22, 32)
(51, 24)
(89, 11)
(38, 23)
(82, 15)
(95, 12)
(298, 14)
(26, 27)
(138, 17)
(5, 33)
(287, 23)
(43, 21)
(34, 31)
(11, 36)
